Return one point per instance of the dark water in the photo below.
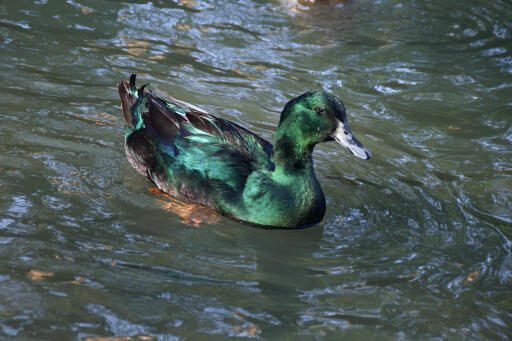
(416, 242)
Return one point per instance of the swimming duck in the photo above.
(198, 157)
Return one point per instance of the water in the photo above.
(416, 242)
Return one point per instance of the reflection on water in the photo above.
(415, 243)
(191, 213)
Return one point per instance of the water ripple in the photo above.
(415, 243)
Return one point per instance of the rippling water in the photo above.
(415, 243)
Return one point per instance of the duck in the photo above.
(204, 159)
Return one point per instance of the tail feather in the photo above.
(133, 88)
(140, 92)
(132, 102)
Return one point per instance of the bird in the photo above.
(204, 159)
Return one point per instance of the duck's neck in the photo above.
(291, 153)
(294, 171)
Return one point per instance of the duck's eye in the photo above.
(320, 111)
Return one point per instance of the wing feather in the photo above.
(172, 119)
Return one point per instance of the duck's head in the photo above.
(319, 116)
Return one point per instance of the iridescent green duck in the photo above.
(204, 159)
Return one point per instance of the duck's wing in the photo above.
(174, 120)
(218, 151)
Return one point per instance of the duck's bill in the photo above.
(344, 136)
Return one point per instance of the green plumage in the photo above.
(205, 159)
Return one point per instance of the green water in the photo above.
(416, 242)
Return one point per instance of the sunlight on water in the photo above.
(415, 243)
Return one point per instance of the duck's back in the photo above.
(186, 151)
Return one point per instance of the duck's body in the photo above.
(201, 158)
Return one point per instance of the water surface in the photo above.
(416, 242)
